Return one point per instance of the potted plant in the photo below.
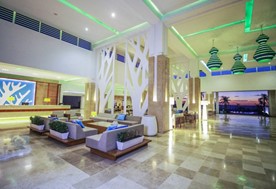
(37, 123)
(59, 129)
(128, 139)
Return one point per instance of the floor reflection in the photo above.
(239, 125)
(208, 154)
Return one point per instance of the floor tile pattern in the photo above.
(237, 153)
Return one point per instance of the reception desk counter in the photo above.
(12, 117)
(27, 110)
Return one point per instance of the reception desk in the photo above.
(27, 110)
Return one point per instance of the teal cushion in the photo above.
(121, 117)
(79, 122)
(113, 127)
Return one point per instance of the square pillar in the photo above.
(272, 103)
(158, 91)
(90, 104)
(194, 95)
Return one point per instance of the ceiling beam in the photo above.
(154, 8)
(215, 28)
(183, 41)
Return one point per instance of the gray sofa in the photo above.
(76, 132)
(106, 141)
(104, 117)
(59, 115)
(73, 114)
(129, 120)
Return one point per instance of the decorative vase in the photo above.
(59, 135)
(129, 143)
(38, 127)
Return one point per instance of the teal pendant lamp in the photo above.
(264, 53)
(238, 67)
(214, 63)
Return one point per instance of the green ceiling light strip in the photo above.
(140, 27)
(215, 28)
(185, 8)
(249, 6)
(183, 41)
(153, 8)
(264, 28)
(66, 3)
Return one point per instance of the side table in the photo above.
(150, 125)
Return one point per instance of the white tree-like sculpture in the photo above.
(179, 87)
(105, 76)
(9, 89)
(136, 73)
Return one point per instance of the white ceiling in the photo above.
(186, 16)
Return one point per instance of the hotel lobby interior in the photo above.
(205, 70)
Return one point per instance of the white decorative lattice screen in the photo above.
(105, 77)
(179, 89)
(136, 73)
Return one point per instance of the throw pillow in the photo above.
(121, 117)
(78, 122)
(114, 127)
(111, 127)
(122, 126)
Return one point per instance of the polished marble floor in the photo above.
(237, 153)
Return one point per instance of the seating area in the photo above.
(67, 115)
(182, 119)
(104, 144)
(127, 119)
(77, 134)
(100, 139)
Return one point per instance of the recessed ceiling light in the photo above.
(86, 29)
(113, 15)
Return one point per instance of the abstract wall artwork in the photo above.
(16, 92)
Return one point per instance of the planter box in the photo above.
(59, 135)
(38, 127)
(129, 143)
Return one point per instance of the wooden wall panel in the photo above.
(47, 90)
(53, 93)
(41, 92)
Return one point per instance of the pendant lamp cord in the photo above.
(262, 29)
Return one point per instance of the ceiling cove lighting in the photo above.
(153, 8)
(183, 41)
(264, 53)
(214, 63)
(238, 67)
(82, 12)
(249, 6)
